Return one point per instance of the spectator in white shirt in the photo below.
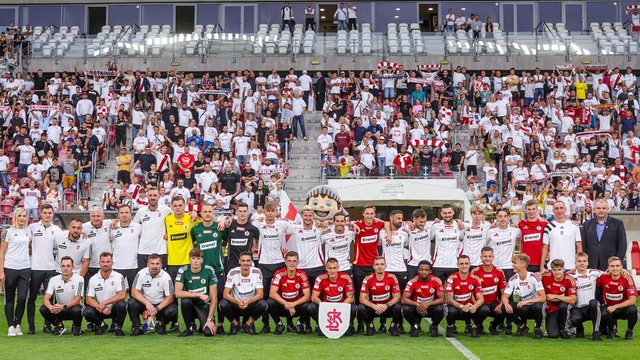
(299, 107)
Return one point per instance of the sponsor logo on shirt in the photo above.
(613, 297)
(290, 295)
(239, 242)
(382, 297)
(463, 297)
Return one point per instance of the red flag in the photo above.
(288, 211)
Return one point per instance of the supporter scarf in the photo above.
(564, 67)
(44, 108)
(100, 73)
(387, 64)
(429, 67)
(596, 67)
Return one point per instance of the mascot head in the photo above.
(325, 203)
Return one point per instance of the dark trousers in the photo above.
(73, 313)
(454, 314)
(443, 273)
(359, 273)
(557, 321)
(313, 310)
(233, 312)
(39, 278)
(16, 282)
(191, 311)
(172, 270)
(166, 315)
(435, 312)
(143, 258)
(118, 314)
(527, 312)
(498, 318)
(590, 312)
(288, 23)
(267, 275)
(130, 275)
(367, 314)
(221, 277)
(412, 271)
(92, 271)
(629, 313)
(310, 23)
(313, 273)
(352, 24)
(277, 310)
(402, 278)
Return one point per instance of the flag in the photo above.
(288, 212)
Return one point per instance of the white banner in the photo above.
(334, 319)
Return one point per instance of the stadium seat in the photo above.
(635, 257)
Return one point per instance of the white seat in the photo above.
(198, 28)
(392, 36)
(414, 26)
(257, 48)
(166, 28)
(106, 29)
(117, 29)
(155, 29)
(275, 27)
(366, 47)
(270, 48)
(155, 50)
(190, 49)
(406, 50)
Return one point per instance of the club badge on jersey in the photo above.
(334, 319)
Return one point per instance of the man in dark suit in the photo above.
(603, 237)
(320, 89)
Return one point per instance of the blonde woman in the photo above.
(15, 270)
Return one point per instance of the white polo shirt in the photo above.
(65, 291)
(152, 226)
(76, 250)
(42, 246)
(154, 289)
(125, 241)
(17, 255)
(99, 239)
(242, 287)
(103, 289)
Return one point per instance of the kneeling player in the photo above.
(587, 306)
(196, 287)
(423, 297)
(105, 297)
(380, 297)
(332, 286)
(288, 294)
(464, 298)
(530, 293)
(243, 296)
(493, 282)
(619, 298)
(66, 289)
(560, 290)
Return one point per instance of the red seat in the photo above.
(6, 209)
(24, 182)
(635, 256)
(69, 196)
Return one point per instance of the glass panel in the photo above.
(507, 18)
(208, 14)
(249, 19)
(40, 15)
(573, 16)
(394, 12)
(483, 9)
(157, 14)
(525, 18)
(232, 20)
(601, 12)
(124, 15)
(74, 16)
(550, 12)
(270, 14)
(7, 15)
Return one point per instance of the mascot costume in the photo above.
(326, 203)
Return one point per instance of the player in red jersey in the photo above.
(332, 286)
(492, 283)
(619, 299)
(380, 297)
(365, 249)
(464, 298)
(560, 290)
(289, 292)
(532, 229)
(423, 297)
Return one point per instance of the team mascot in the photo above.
(326, 203)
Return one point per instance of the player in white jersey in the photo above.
(306, 241)
(271, 247)
(419, 242)
(587, 306)
(97, 231)
(338, 242)
(63, 297)
(503, 239)
(474, 237)
(243, 296)
(393, 247)
(528, 297)
(151, 218)
(152, 292)
(447, 236)
(70, 243)
(105, 297)
(43, 263)
(561, 239)
(125, 240)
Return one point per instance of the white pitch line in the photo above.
(458, 345)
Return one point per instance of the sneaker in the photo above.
(370, 331)
(234, 329)
(415, 331)
(12, 331)
(628, 335)
(112, 328)
(32, 330)
(76, 330)
(306, 138)
(475, 332)
(449, 333)
(174, 328)
(279, 329)
(382, 329)
(307, 328)
(220, 330)
(401, 329)
(508, 329)
(145, 328)
(265, 329)
(136, 331)
(250, 329)
(580, 332)
(360, 329)
(521, 330)
(393, 330)
(433, 331)
(186, 333)
(47, 329)
(537, 333)
(292, 328)
(118, 332)
(91, 327)
(100, 330)
(59, 330)
(565, 334)
(596, 336)
(493, 330)
(161, 329)
(18, 330)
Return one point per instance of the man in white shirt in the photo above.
(561, 239)
(299, 107)
(306, 83)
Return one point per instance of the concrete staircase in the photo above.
(304, 162)
(103, 174)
